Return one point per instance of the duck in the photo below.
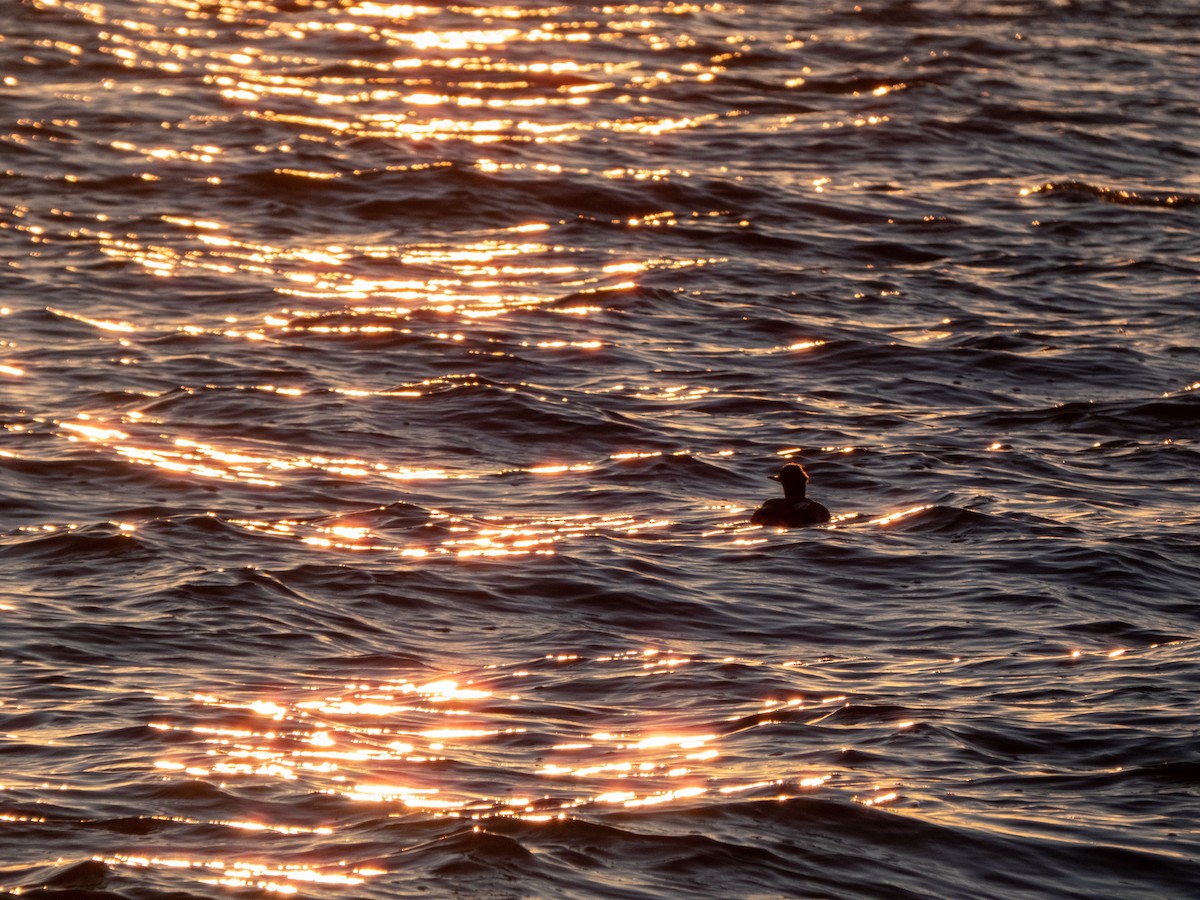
(794, 510)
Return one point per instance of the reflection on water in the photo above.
(427, 73)
(401, 743)
(272, 877)
(421, 73)
(477, 279)
(467, 537)
(508, 741)
(892, 517)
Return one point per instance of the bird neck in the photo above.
(794, 492)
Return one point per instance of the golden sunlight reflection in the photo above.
(490, 76)
(375, 288)
(422, 73)
(467, 537)
(891, 518)
(882, 798)
(101, 324)
(281, 878)
(395, 743)
(139, 440)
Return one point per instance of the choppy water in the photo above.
(386, 390)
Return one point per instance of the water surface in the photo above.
(386, 390)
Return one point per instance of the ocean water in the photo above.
(386, 390)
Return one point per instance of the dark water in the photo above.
(386, 390)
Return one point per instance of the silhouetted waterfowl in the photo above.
(794, 509)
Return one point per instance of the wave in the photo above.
(1121, 196)
(1174, 416)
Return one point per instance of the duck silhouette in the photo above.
(794, 509)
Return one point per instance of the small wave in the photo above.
(81, 880)
(1184, 773)
(73, 545)
(1172, 416)
(1122, 196)
(200, 791)
(951, 520)
(476, 851)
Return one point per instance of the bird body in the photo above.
(782, 513)
(794, 509)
